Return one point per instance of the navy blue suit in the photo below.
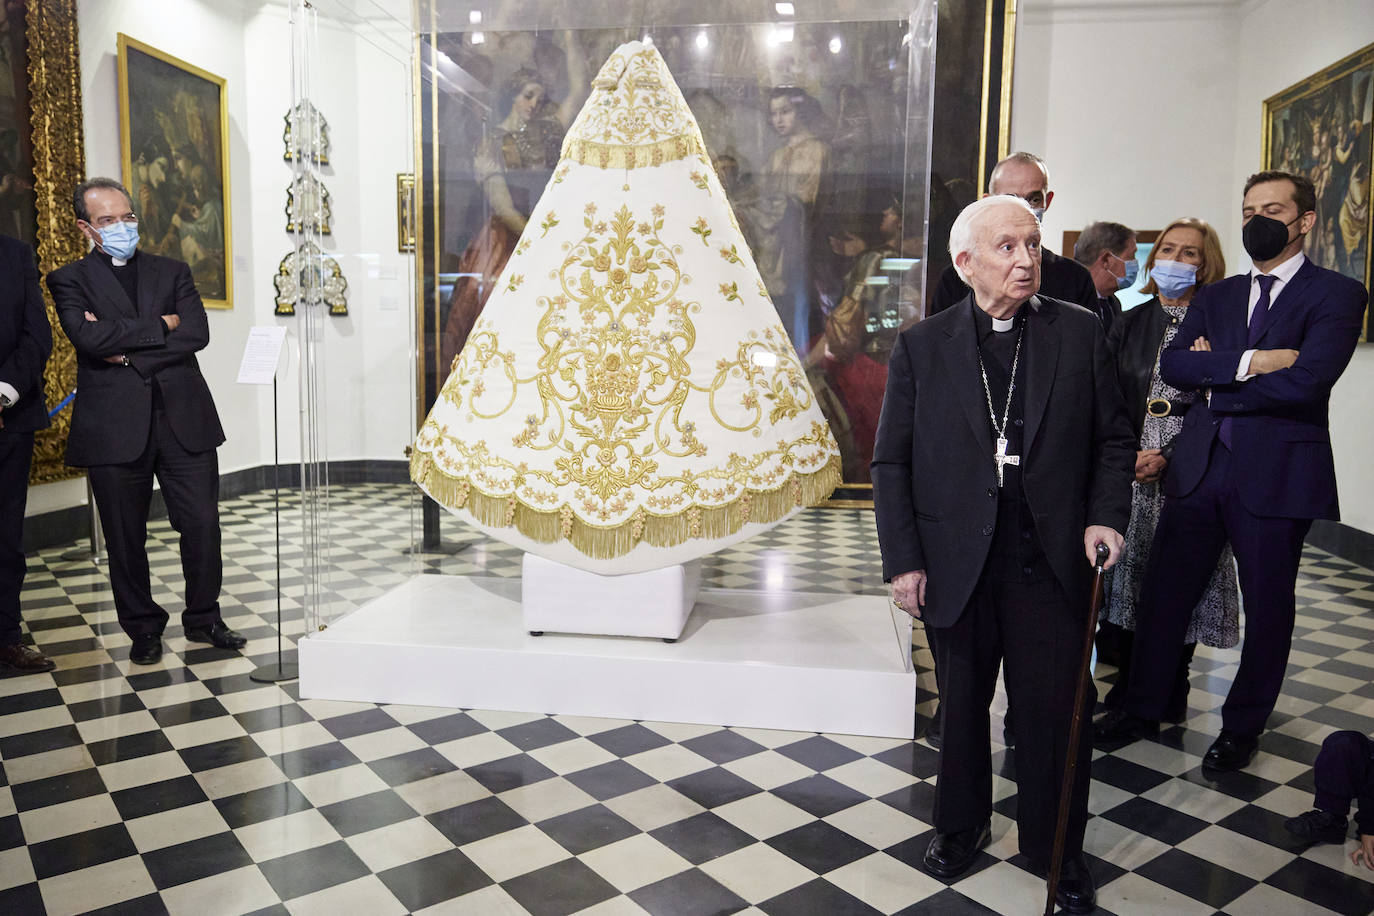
(25, 342)
(1261, 493)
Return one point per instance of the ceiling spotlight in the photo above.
(474, 16)
(647, 41)
(783, 33)
(785, 9)
(836, 45)
(702, 41)
(478, 38)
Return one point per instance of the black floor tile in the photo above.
(367, 812)
(510, 773)
(57, 789)
(587, 829)
(609, 780)
(1123, 774)
(106, 706)
(272, 717)
(702, 837)
(1155, 820)
(913, 757)
(322, 758)
(917, 799)
(913, 852)
(950, 902)
(411, 766)
(819, 795)
(23, 899)
(1313, 882)
(433, 880)
(714, 787)
(80, 850)
(1197, 878)
(359, 723)
(629, 739)
(722, 746)
(38, 742)
(817, 898)
(261, 804)
(476, 820)
(128, 747)
(220, 753)
(11, 833)
(30, 700)
(819, 753)
(194, 711)
(305, 872)
(147, 905)
(167, 795)
(537, 733)
(688, 893)
(196, 859)
(559, 889)
(447, 728)
(819, 846)
(1263, 825)
(1237, 784)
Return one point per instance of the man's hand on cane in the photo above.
(1100, 534)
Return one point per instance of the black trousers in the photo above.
(190, 487)
(1036, 633)
(1344, 770)
(16, 453)
(1188, 541)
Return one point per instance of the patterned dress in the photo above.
(1216, 619)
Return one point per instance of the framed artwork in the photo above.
(1320, 127)
(174, 137)
(42, 159)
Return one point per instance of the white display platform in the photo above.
(558, 598)
(787, 660)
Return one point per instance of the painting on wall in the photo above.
(1320, 127)
(174, 136)
(18, 210)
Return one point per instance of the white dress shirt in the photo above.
(1281, 274)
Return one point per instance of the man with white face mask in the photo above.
(143, 410)
(1026, 176)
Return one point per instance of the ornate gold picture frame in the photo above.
(174, 140)
(48, 33)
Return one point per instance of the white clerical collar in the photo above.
(118, 262)
(1003, 324)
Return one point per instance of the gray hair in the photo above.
(1024, 159)
(961, 234)
(1098, 237)
(90, 184)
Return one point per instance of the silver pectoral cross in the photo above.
(1003, 459)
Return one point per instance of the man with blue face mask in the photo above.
(143, 410)
(1108, 251)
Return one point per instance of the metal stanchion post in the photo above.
(96, 553)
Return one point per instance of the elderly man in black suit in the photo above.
(143, 410)
(1004, 456)
(25, 342)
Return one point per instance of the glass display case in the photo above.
(820, 121)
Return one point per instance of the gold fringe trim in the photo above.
(621, 156)
(609, 542)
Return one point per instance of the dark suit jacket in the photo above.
(25, 337)
(1060, 278)
(114, 403)
(1279, 433)
(934, 481)
(1134, 341)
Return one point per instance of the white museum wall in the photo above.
(364, 94)
(1146, 111)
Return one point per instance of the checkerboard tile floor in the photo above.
(187, 787)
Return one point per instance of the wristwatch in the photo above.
(126, 361)
(5, 401)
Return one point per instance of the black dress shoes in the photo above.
(1077, 893)
(27, 659)
(1118, 727)
(147, 649)
(951, 854)
(1231, 751)
(217, 635)
(1318, 826)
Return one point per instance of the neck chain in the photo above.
(1001, 456)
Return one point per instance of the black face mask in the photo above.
(1264, 237)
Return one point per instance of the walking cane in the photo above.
(1061, 826)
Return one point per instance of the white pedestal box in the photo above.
(563, 599)
(760, 659)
